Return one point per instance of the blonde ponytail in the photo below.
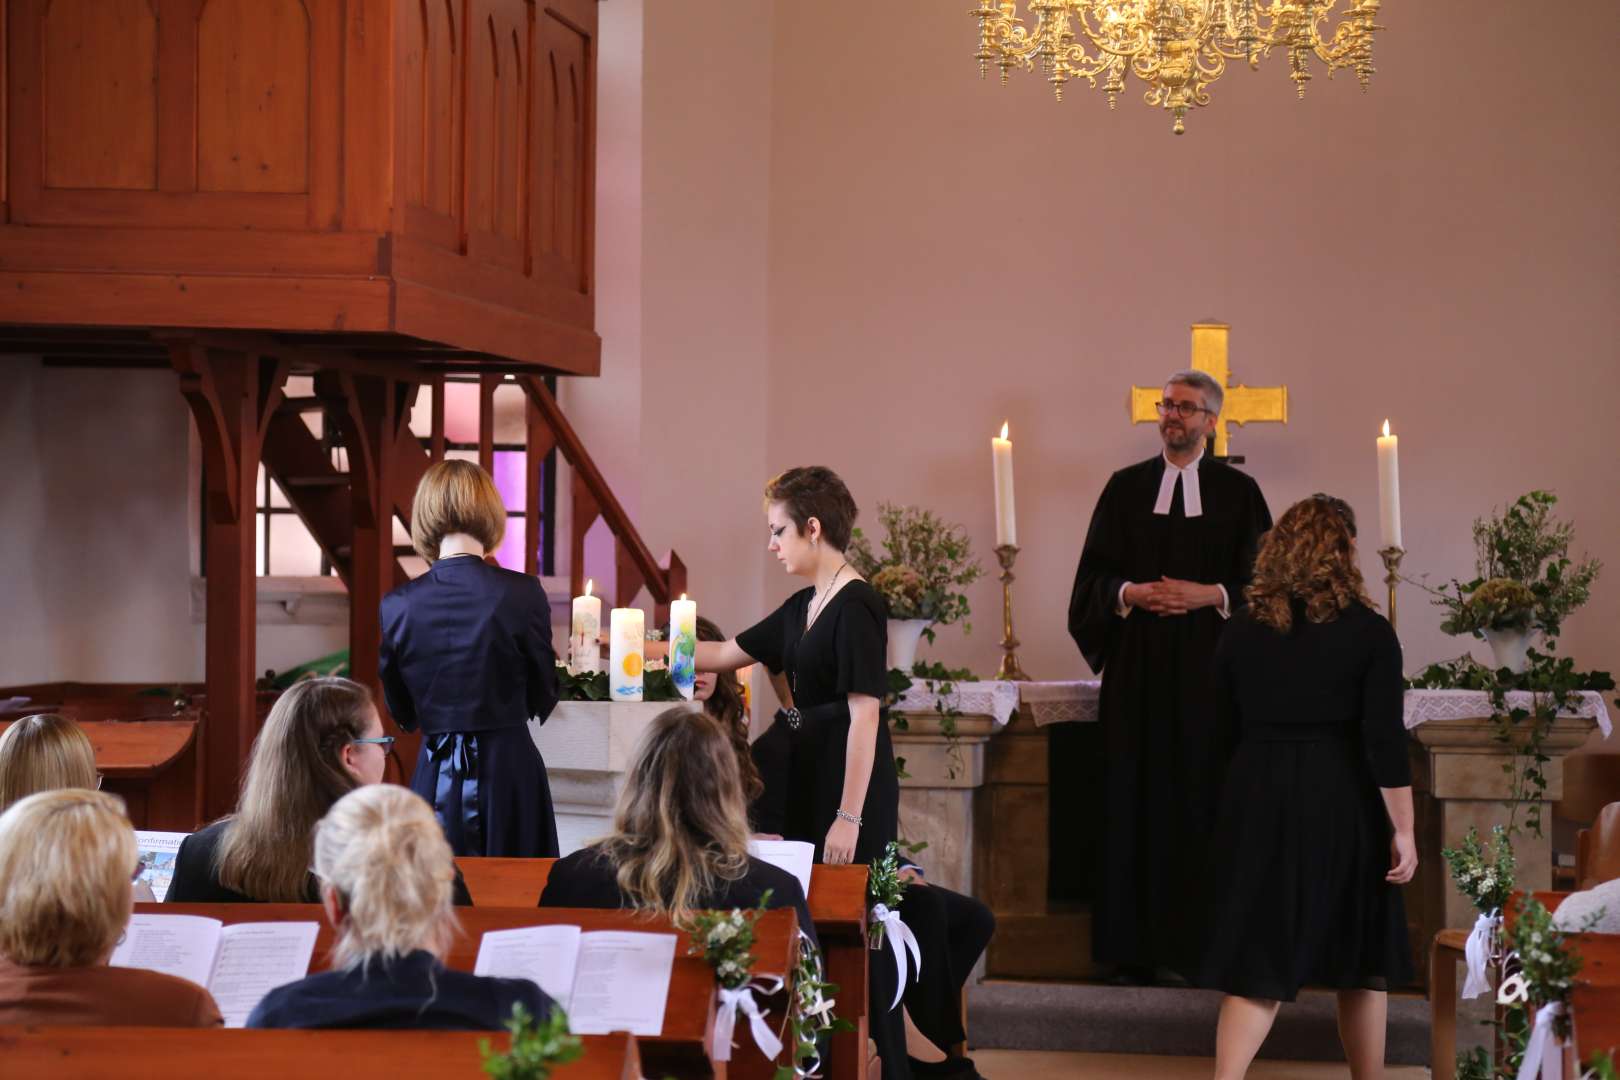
(384, 853)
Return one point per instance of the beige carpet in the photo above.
(1056, 1065)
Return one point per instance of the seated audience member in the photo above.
(1578, 908)
(680, 834)
(722, 696)
(66, 860)
(322, 739)
(385, 872)
(44, 752)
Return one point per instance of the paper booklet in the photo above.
(606, 980)
(238, 964)
(157, 852)
(794, 856)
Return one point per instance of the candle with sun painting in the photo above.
(627, 638)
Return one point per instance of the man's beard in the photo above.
(1178, 441)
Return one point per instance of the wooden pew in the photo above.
(155, 765)
(837, 906)
(1599, 975)
(681, 1050)
(93, 1053)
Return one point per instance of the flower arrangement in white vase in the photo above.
(925, 565)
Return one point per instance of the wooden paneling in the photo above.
(564, 149)
(99, 60)
(432, 48)
(253, 94)
(498, 132)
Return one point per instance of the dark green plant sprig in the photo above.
(810, 1014)
(883, 886)
(656, 685)
(726, 940)
(1483, 872)
(926, 564)
(1542, 955)
(538, 1046)
(1600, 1066)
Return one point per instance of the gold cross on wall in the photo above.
(1244, 404)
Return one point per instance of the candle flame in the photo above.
(1386, 429)
(683, 596)
(588, 583)
(1003, 429)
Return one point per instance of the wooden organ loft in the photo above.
(375, 193)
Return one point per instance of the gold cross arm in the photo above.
(1243, 405)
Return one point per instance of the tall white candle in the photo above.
(683, 645)
(627, 635)
(585, 631)
(1006, 520)
(1389, 490)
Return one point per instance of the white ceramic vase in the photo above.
(1511, 648)
(903, 637)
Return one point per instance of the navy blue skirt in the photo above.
(489, 792)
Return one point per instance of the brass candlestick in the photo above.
(1010, 670)
(1392, 564)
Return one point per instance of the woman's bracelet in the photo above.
(847, 816)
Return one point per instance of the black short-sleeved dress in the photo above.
(1311, 725)
(845, 652)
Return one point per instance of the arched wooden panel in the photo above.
(415, 33)
(563, 198)
(513, 143)
(253, 96)
(100, 94)
(442, 111)
(483, 123)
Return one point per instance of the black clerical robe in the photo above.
(1157, 705)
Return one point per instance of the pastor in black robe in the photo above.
(1157, 705)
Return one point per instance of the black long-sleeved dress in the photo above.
(1310, 726)
(467, 658)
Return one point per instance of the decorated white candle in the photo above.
(1389, 491)
(683, 645)
(584, 644)
(1006, 520)
(627, 635)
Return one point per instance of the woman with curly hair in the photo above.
(1314, 835)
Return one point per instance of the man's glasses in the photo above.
(1183, 409)
(384, 741)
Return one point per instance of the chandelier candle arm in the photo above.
(1177, 48)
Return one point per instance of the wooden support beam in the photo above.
(375, 413)
(487, 385)
(538, 441)
(232, 396)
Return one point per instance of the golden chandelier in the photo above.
(1176, 47)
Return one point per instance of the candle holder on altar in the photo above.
(1010, 670)
(1392, 576)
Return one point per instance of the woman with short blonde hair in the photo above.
(466, 659)
(67, 858)
(386, 874)
(680, 833)
(43, 752)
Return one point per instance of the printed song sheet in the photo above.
(794, 856)
(607, 980)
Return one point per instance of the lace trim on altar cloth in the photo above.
(994, 699)
(1423, 706)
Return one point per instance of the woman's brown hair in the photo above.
(295, 773)
(65, 862)
(44, 752)
(815, 491)
(1309, 556)
(456, 496)
(726, 706)
(681, 826)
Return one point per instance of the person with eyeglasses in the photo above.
(322, 739)
(1170, 547)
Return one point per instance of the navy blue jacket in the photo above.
(413, 991)
(467, 647)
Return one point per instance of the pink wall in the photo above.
(1444, 250)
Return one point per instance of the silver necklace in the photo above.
(792, 715)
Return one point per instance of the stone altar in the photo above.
(587, 746)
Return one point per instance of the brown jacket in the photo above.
(102, 996)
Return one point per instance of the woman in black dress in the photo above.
(830, 640)
(466, 657)
(680, 834)
(1314, 835)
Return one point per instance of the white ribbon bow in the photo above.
(900, 938)
(1478, 951)
(725, 1018)
(1544, 1053)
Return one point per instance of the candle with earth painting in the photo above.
(683, 645)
